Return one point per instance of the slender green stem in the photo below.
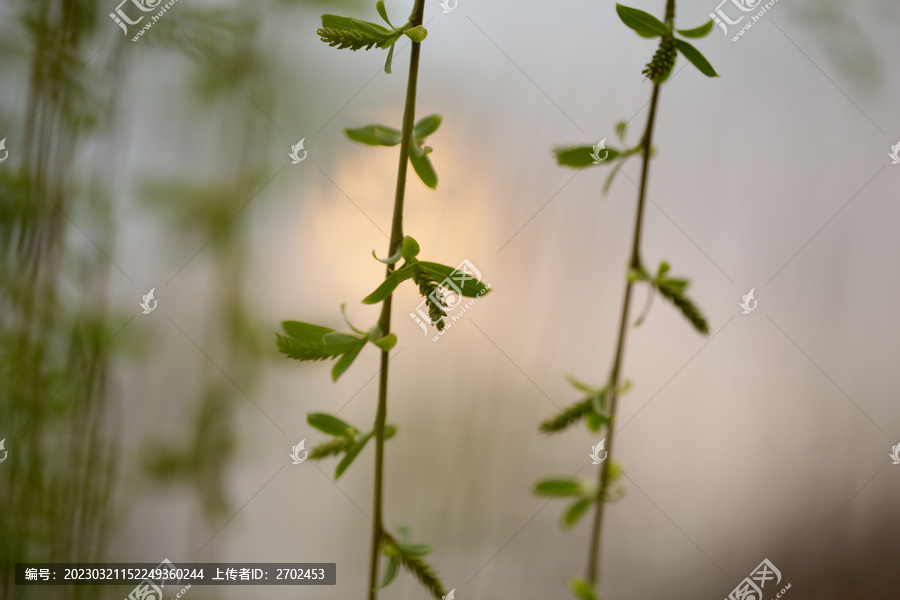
(384, 321)
(593, 567)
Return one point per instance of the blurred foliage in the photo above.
(54, 390)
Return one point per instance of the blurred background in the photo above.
(163, 164)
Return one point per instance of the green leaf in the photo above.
(389, 284)
(390, 431)
(390, 572)
(389, 260)
(409, 249)
(567, 417)
(304, 340)
(610, 177)
(340, 343)
(647, 305)
(579, 385)
(331, 425)
(642, 22)
(345, 361)
(556, 487)
(347, 320)
(352, 453)
(417, 33)
(578, 157)
(345, 32)
(424, 169)
(621, 126)
(467, 285)
(693, 55)
(576, 511)
(387, 342)
(697, 32)
(388, 60)
(375, 135)
(379, 6)
(348, 23)
(426, 126)
(583, 590)
(413, 549)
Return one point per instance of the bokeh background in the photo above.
(163, 164)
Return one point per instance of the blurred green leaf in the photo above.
(390, 572)
(576, 511)
(409, 248)
(468, 285)
(331, 425)
(352, 453)
(698, 60)
(426, 126)
(379, 6)
(423, 167)
(375, 135)
(387, 342)
(417, 33)
(556, 487)
(304, 341)
(389, 285)
(389, 260)
(345, 361)
(642, 22)
(389, 60)
(414, 549)
(578, 157)
(341, 343)
(697, 32)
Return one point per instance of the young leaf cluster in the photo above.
(347, 439)
(409, 556)
(426, 275)
(579, 157)
(382, 135)
(593, 408)
(673, 290)
(660, 67)
(346, 32)
(583, 492)
(305, 341)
